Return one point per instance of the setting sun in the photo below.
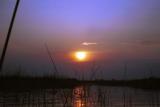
(81, 55)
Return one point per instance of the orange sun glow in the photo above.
(81, 55)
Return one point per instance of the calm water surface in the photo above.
(81, 96)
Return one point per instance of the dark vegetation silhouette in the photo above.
(80, 96)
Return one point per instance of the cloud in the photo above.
(89, 43)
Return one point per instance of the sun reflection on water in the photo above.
(78, 97)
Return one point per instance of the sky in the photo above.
(115, 32)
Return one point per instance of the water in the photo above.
(81, 96)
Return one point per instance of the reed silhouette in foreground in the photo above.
(8, 36)
(79, 96)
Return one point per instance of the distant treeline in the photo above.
(16, 82)
(147, 83)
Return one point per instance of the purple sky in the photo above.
(123, 30)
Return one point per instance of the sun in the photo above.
(81, 55)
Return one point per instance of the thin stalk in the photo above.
(8, 35)
(52, 60)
